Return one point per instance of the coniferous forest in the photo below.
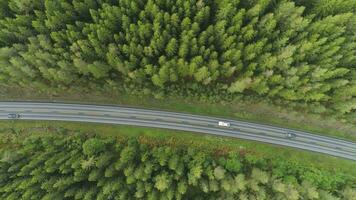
(287, 52)
(291, 52)
(80, 166)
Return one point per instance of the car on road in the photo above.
(290, 135)
(224, 124)
(13, 116)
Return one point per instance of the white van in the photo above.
(224, 124)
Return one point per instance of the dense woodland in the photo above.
(81, 166)
(291, 52)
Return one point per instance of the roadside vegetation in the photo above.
(59, 160)
(253, 110)
(203, 142)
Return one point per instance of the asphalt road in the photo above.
(178, 121)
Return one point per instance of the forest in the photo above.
(89, 166)
(289, 52)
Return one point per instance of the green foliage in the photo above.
(84, 167)
(93, 146)
(323, 8)
(290, 51)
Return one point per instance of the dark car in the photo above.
(290, 135)
(13, 116)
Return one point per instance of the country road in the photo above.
(178, 121)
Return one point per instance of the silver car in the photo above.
(290, 135)
(13, 116)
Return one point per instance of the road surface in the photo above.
(178, 121)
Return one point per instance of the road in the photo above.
(178, 121)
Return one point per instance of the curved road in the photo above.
(178, 121)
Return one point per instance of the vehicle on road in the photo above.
(193, 123)
(290, 135)
(224, 124)
(13, 116)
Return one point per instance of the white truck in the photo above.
(224, 124)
